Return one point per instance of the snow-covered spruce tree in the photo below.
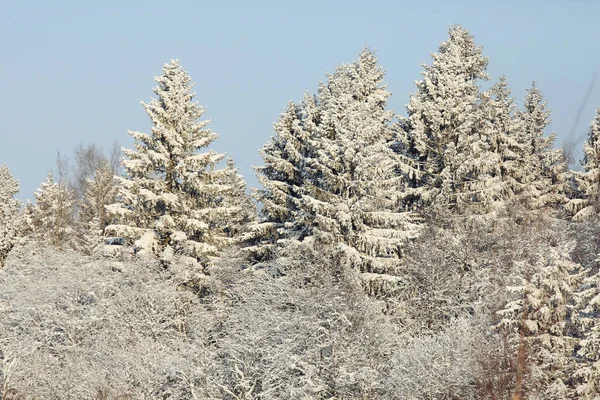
(241, 211)
(353, 184)
(544, 166)
(50, 219)
(588, 181)
(506, 133)
(168, 199)
(282, 180)
(537, 321)
(447, 129)
(9, 211)
(93, 219)
(587, 317)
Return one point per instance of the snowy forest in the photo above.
(450, 253)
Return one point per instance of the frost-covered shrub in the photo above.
(301, 327)
(586, 237)
(445, 365)
(494, 267)
(456, 269)
(99, 191)
(72, 327)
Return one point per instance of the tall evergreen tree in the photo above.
(589, 181)
(587, 317)
(167, 202)
(50, 219)
(544, 165)
(506, 137)
(352, 175)
(591, 151)
(537, 319)
(282, 180)
(9, 211)
(446, 122)
(240, 209)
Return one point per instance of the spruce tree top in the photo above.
(461, 52)
(591, 148)
(447, 133)
(168, 201)
(9, 186)
(446, 99)
(536, 118)
(177, 134)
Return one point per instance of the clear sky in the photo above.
(76, 71)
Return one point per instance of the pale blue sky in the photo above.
(76, 71)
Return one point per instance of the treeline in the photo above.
(456, 242)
